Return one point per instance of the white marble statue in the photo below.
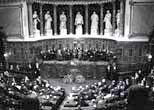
(48, 21)
(118, 19)
(35, 20)
(94, 23)
(63, 19)
(107, 20)
(108, 25)
(79, 23)
(117, 31)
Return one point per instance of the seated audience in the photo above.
(19, 92)
(77, 53)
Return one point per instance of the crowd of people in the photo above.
(32, 70)
(77, 53)
(18, 92)
(135, 92)
(99, 96)
(22, 92)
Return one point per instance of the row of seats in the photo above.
(114, 94)
(20, 93)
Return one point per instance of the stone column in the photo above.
(101, 18)
(87, 19)
(55, 19)
(41, 20)
(71, 19)
(114, 16)
(122, 16)
(30, 19)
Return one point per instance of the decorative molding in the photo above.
(143, 3)
(131, 2)
(137, 34)
(134, 4)
(131, 13)
(16, 36)
(12, 5)
(60, 2)
(100, 37)
(72, 2)
(20, 6)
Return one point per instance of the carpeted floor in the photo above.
(68, 87)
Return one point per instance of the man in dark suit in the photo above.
(109, 72)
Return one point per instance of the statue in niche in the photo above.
(108, 25)
(35, 20)
(118, 19)
(48, 20)
(63, 20)
(117, 31)
(78, 23)
(94, 23)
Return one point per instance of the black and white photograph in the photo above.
(76, 54)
